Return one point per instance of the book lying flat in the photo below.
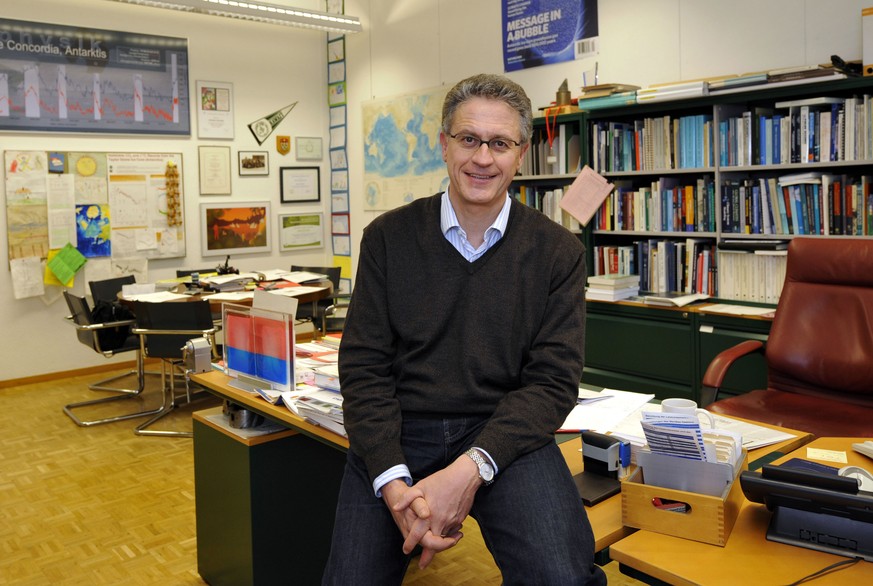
(673, 299)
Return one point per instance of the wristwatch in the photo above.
(486, 471)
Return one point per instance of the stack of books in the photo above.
(613, 287)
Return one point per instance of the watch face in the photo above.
(486, 472)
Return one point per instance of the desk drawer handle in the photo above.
(671, 505)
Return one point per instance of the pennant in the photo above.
(264, 127)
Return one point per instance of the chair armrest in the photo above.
(719, 366)
(100, 326)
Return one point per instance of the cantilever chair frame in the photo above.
(168, 381)
(91, 330)
(338, 300)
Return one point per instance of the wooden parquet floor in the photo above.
(101, 506)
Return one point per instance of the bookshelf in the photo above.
(710, 188)
(684, 171)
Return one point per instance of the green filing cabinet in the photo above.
(716, 333)
(640, 348)
(265, 505)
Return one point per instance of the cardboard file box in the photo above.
(708, 519)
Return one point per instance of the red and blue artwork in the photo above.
(259, 347)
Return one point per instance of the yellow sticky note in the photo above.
(827, 455)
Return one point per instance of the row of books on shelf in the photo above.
(667, 204)
(752, 275)
(652, 143)
(822, 129)
(673, 272)
(554, 150)
(547, 201)
(613, 95)
(662, 264)
(801, 204)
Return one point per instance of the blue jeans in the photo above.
(532, 518)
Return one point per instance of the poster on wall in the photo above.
(118, 205)
(394, 176)
(56, 78)
(547, 31)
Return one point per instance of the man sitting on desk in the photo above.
(461, 355)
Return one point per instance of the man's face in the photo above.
(480, 175)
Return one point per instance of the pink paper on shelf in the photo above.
(585, 195)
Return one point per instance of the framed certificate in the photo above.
(299, 184)
(308, 148)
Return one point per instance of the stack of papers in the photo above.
(601, 415)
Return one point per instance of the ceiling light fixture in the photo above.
(260, 12)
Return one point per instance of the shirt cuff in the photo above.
(399, 471)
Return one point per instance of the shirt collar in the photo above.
(449, 220)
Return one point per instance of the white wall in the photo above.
(269, 67)
(407, 45)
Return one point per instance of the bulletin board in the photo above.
(117, 205)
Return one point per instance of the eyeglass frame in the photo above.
(459, 135)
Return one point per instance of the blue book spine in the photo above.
(756, 210)
(777, 139)
(816, 204)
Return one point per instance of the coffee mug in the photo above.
(685, 407)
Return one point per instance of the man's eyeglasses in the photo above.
(497, 146)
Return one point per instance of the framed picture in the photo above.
(234, 229)
(299, 184)
(300, 231)
(308, 148)
(340, 224)
(214, 170)
(214, 109)
(254, 163)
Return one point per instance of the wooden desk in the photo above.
(747, 558)
(605, 517)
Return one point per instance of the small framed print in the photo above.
(308, 148)
(254, 163)
(301, 231)
(299, 184)
(214, 170)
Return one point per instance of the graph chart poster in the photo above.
(59, 78)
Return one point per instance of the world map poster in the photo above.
(402, 154)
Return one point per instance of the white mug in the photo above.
(685, 407)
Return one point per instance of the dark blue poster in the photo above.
(64, 78)
(540, 32)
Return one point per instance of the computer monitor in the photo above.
(258, 348)
(814, 510)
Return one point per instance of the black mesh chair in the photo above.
(163, 330)
(322, 313)
(108, 289)
(108, 339)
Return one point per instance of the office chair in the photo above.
(108, 289)
(820, 350)
(89, 334)
(163, 330)
(321, 312)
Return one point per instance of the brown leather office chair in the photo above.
(820, 350)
